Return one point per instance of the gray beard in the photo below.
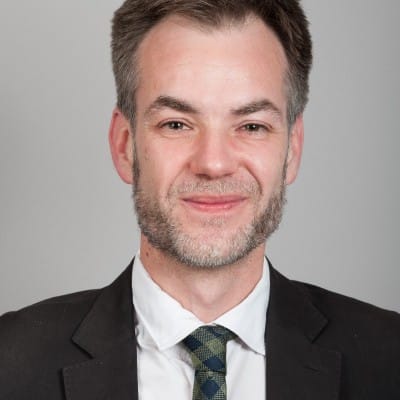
(166, 234)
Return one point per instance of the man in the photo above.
(208, 129)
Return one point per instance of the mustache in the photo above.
(220, 186)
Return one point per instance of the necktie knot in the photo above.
(207, 348)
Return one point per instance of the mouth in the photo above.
(214, 204)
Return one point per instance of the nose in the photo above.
(214, 155)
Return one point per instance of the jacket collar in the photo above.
(107, 335)
(296, 366)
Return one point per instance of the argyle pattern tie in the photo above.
(207, 348)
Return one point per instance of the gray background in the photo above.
(66, 218)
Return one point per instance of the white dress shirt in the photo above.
(165, 369)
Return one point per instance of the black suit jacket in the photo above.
(320, 346)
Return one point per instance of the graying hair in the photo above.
(135, 18)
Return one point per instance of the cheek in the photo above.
(159, 167)
(266, 165)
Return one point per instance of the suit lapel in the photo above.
(297, 368)
(107, 335)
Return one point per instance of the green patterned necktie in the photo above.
(207, 348)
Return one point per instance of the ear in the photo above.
(296, 139)
(121, 145)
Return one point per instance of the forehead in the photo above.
(213, 65)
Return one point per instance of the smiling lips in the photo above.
(214, 203)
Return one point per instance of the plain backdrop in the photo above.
(66, 219)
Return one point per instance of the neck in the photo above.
(207, 293)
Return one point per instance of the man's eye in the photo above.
(254, 128)
(175, 125)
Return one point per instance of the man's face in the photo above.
(211, 140)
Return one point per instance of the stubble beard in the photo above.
(167, 234)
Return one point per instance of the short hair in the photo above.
(135, 18)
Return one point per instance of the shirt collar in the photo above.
(163, 322)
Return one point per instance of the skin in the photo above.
(230, 126)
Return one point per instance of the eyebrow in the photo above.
(185, 107)
(256, 106)
(172, 103)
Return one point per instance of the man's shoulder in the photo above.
(334, 306)
(61, 316)
(350, 341)
(35, 341)
(53, 309)
(347, 315)
(44, 321)
(336, 303)
(39, 341)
